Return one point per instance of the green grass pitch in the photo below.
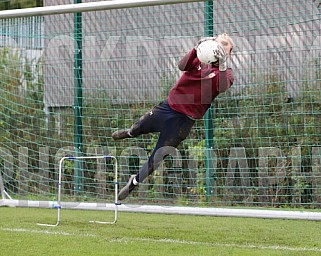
(152, 234)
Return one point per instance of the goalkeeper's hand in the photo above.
(220, 54)
(203, 39)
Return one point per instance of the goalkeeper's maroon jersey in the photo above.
(194, 92)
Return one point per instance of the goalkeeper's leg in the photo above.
(151, 121)
(172, 134)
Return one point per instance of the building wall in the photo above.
(129, 53)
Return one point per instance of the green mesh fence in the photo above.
(68, 81)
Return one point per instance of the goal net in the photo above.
(72, 74)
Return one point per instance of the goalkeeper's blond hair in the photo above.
(226, 37)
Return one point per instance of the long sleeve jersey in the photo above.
(198, 86)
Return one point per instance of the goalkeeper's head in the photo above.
(226, 41)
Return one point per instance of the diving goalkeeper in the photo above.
(187, 101)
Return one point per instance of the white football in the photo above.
(205, 51)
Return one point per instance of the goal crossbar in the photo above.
(87, 7)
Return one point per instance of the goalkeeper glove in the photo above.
(220, 54)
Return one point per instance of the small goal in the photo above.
(59, 203)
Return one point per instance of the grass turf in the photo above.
(152, 234)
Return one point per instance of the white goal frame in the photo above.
(58, 206)
(86, 7)
(225, 212)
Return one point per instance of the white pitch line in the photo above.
(245, 246)
(45, 232)
(165, 240)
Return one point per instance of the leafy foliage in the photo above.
(18, 4)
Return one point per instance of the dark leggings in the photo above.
(173, 128)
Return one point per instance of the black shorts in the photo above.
(172, 125)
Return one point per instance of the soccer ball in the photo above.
(205, 51)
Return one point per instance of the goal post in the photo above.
(72, 74)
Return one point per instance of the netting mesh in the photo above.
(67, 86)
